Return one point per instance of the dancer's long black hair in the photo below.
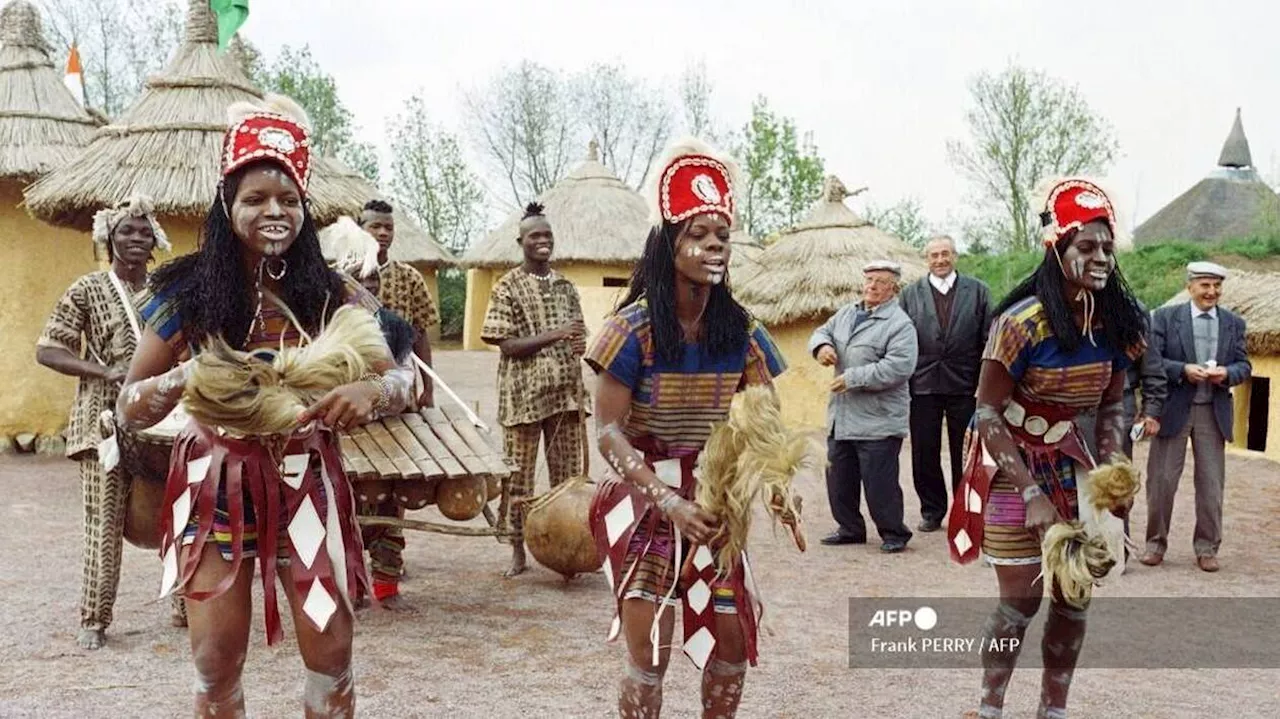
(1124, 323)
(725, 323)
(211, 284)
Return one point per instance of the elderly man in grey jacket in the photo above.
(872, 345)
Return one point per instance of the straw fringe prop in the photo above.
(250, 396)
(348, 246)
(1076, 561)
(751, 456)
(1112, 487)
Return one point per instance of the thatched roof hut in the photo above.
(167, 145)
(1253, 296)
(600, 226)
(1232, 202)
(814, 267)
(41, 125)
(416, 246)
(596, 217)
(744, 259)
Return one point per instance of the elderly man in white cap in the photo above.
(1203, 351)
(872, 346)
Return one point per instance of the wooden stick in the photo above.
(436, 527)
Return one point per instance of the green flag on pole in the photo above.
(231, 15)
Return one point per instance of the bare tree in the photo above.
(695, 99)
(121, 43)
(904, 219)
(524, 127)
(430, 179)
(1025, 126)
(630, 120)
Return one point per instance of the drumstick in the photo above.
(475, 419)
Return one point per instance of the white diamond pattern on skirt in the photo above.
(170, 577)
(698, 647)
(698, 596)
(962, 541)
(974, 501)
(668, 470)
(306, 532)
(618, 519)
(702, 558)
(181, 511)
(319, 605)
(198, 469)
(294, 466)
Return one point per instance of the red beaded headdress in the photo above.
(1071, 204)
(692, 179)
(275, 131)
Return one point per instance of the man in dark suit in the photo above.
(1202, 348)
(951, 314)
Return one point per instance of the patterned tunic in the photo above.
(404, 291)
(547, 383)
(1051, 384)
(91, 321)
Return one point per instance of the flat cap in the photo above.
(883, 266)
(1206, 269)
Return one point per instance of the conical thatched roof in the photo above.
(1253, 296)
(596, 219)
(42, 127)
(415, 245)
(167, 144)
(1232, 202)
(1235, 151)
(815, 268)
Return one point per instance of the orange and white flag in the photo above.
(74, 78)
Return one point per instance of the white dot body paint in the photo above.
(318, 688)
(715, 277)
(693, 251)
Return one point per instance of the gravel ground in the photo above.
(481, 646)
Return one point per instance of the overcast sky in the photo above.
(881, 85)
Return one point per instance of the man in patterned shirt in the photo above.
(401, 289)
(535, 319)
(92, 335)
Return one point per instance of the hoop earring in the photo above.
(276, 268)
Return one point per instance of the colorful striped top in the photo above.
(1022, 340)
(162, 315)
(676, 403)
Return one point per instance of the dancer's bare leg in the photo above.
(1063, 637)
(726, 671)
(329, 691)
(219, 631)
(1020, 595)
(640, 691)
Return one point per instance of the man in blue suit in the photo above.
(1202, 348)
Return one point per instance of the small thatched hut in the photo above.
(600, 226)
(1232, 202)
(42, 127)
(1253, 296)
(167, 145)
(814, 269)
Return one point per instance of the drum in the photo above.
(414, 493)
(144, 458)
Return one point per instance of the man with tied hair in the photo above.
(951, 314)
(872, 346)
(535, 320)
(92, 335)
(1202, 347)
(401, 289)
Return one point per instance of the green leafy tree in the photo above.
(295, 73)
(1024, 127)
(783, 172)
(904, 219)
(431, 180)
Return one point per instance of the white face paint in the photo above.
(693, 251)
(715, 278)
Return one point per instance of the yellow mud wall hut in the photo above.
(42, 127)
(808, 273)
(600, 225)
(1253, 296)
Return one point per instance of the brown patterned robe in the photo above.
(403, 290)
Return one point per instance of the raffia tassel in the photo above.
(1113, 486)
(751, 456)
(1076, 561)
(250, 396)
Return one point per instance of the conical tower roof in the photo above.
(1235, 151)
(42, 127)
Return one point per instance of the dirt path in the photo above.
(533, 647)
